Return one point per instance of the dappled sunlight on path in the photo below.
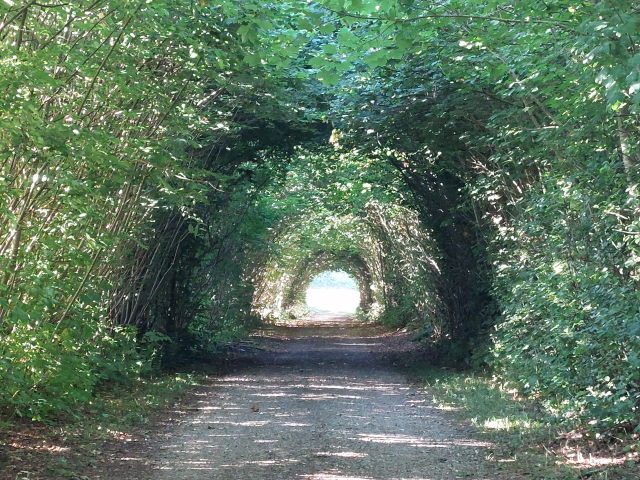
(320, 401)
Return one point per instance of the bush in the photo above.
(47, 371)
(570, 330)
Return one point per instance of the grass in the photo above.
(71, 445)
(528, 439)
(126, 406)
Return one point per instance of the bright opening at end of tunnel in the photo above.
(333, 292)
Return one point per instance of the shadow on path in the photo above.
(321, 400)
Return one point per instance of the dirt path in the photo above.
(321, 402)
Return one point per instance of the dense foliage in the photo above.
(126, 128)
(341, 211)
(518, 135)
(166, 179)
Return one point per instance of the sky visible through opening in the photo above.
(333, 292)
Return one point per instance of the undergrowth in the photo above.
(68, 446)
(527, 438)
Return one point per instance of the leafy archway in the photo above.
(350, 263)
(340, 210)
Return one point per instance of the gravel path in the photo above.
(322, 402)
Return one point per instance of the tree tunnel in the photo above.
(285, 294)
(353, 264)
(345, 218)
(174, 173)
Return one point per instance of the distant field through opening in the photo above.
(333, 292)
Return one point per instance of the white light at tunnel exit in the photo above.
(333, 292)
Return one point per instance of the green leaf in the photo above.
(329, 77)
